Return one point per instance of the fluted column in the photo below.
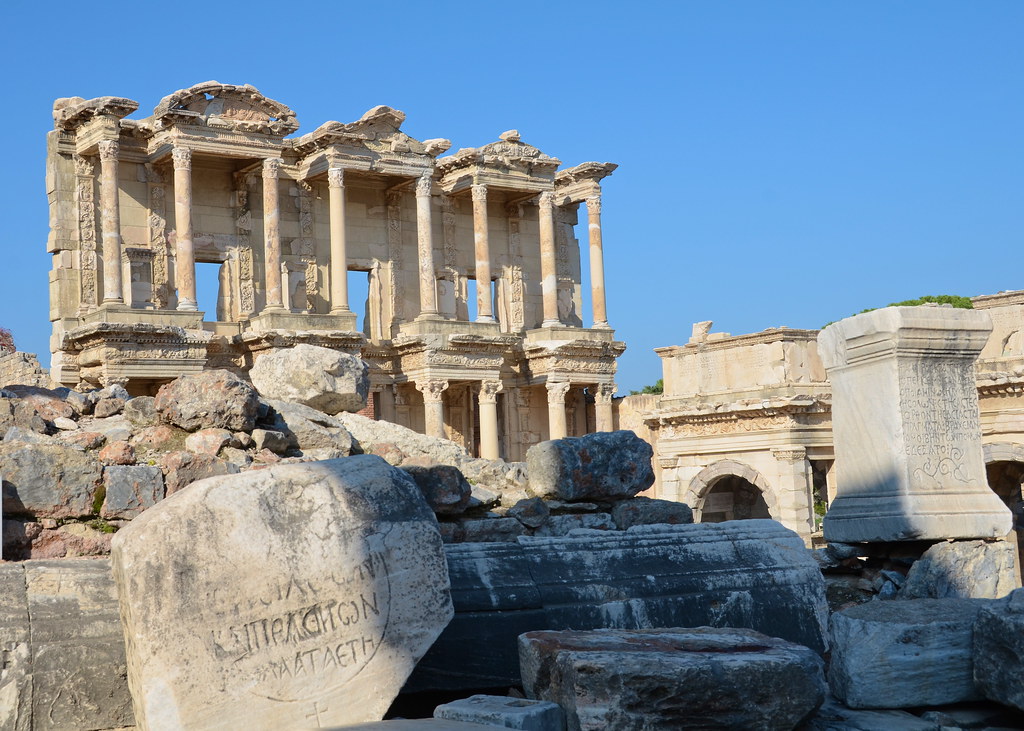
(110, 221)
(548, 259)
(556, 409)
(433, 406)
(339, 252)
(425, 250)
(484, 300)
(596, 262)
(603, 412)
(184, 249)
(489, 419)
(272, 233)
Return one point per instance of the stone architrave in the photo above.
(300, 595)
(905, 420)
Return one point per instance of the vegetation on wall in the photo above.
(964, 303)
(658, 387)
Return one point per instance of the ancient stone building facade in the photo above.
(212, 178)
(744, 427)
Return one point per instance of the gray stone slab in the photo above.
(131, 489)
(904, 654)
(414, 724)
(497, 710)
(963, 570)
(753, 573)
(676, 678)
(999, 651)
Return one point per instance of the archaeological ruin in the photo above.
(744, 427)
(281, 510)
(473, 325)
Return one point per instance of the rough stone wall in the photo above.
(24, 369)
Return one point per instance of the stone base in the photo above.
(564, 333)
(285, 320)
(450, 327)
(189, 320)
(971, 513)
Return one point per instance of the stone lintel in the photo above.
(299, 321)
(449, 328)
(124, 314)
(559, 335)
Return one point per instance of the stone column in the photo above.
(596, 262)
(387, 404)
(339, 253)
(793, 488)
(433, 406)
(272, 234)
(906, 427)
(603, 412)
(484, 300)
(556, 409)
(425, 248)
(548, 259)
(110, 218)
(489, 419)
(184, 250)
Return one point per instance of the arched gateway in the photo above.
(731, 490)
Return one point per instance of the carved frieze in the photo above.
(85, 201)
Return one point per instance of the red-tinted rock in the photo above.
(181, 469)
(117, 453)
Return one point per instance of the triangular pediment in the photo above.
(226, 106)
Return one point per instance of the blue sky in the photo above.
(781, 163)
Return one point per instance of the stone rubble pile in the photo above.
(77, 467)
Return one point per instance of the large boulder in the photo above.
(296, 592)
(749, 573)
(51, 480)
(596, 466)
(215, 399)
(48, 404)
(699, 678)
(963, 570)
(999, 651)
(397, 443)
(306, 428)
(444, 487)
(902, 654)
(324, 379)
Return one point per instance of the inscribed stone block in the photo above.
(299, 594)
(906, 425)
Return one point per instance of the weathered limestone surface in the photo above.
(321, 378)
(444, 487)
(295, 592)
(418, 724)
(999, 651)
(964, 570)
(834, 716)
(648, 511)
(396, 443)
(64, 659)
(906, 427)
(741, 574)
(130, 490)
(47, 480)
(600, 465)
(307, 428)
(699, 678)
(493, 710)
(211, 399)
(901, 654)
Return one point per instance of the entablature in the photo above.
(577, 184)
(508, 163)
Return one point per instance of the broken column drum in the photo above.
(905, 414)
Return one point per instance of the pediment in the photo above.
(226, 106)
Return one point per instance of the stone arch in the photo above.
(704, 480)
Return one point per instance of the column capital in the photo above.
(546, 199)
(182, 157)
(789, 454)
(594, 203)
(489, 391)
(479, 192)
(336, 176)
(557, 390)
(272, 167)
(108, 150)
(604, 393)
(424, 184)
(432, 390)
